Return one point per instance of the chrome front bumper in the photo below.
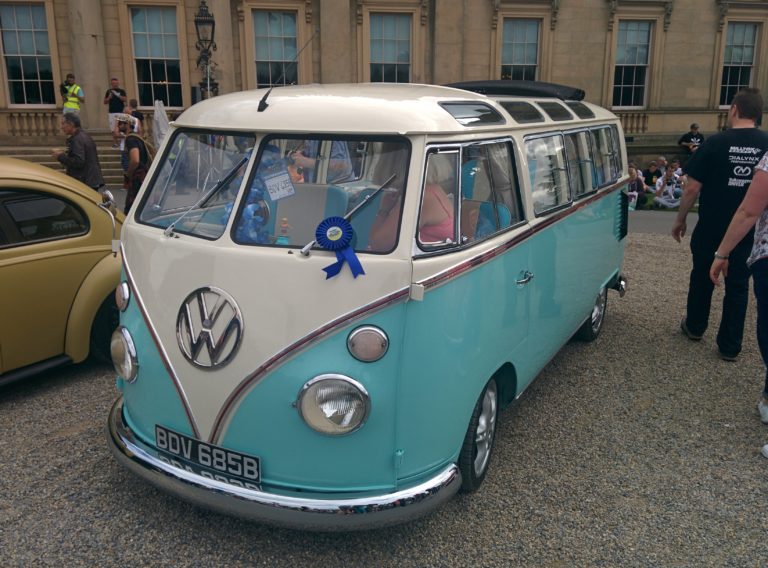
(321, 514)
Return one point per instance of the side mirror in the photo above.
(107, 204)
(107, 198)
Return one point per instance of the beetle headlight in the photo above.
(122, 296)
(333, 404)
(367, 343)
(123, 354)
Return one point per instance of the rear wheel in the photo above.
(105, 322)
(591, 328)
(478, 442)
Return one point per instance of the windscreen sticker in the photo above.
(278, 181)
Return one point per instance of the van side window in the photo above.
(605, 155)
(437, 224)
(489, 195)
(616, 150)
(579, 164)
(548, 172)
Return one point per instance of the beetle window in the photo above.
(489, 195)
(579, 164)
(473, 114)
(555, 111)
(522, 112)
(437, 226)
(548, 172)
(37, 217)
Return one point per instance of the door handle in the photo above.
(527, 277)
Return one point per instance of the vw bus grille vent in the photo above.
(622, 217)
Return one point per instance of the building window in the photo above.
(630, 74)
(520, 49)
(276, 48)
(27, 54)
(738, 60)
(391, 48)
(156, 53)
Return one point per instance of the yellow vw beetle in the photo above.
(59, 267)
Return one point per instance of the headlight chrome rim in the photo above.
(129, 360)
(308, 387)
(367, 329)
(122, 296)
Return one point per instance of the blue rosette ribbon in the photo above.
(335, 233)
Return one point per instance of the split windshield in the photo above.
(294, 185)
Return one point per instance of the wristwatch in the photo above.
(719, 256)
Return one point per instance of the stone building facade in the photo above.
(659, 64)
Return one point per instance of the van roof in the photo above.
(355, 108)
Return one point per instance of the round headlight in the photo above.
(333, 404)
(367, 343)
(124, 354)
(122, 296)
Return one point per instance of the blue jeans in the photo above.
(760, 279)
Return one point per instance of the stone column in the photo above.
(89, 59)
(336, 42)
(448, 37)
(224, 56)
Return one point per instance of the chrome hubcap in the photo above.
(598, 311)
(486, 426)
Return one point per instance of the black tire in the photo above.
(475, 457)
(591, 328)
(106, 321)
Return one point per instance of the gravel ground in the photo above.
(641, 449)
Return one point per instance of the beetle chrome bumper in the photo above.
(321, 514)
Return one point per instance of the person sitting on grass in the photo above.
(668, 191)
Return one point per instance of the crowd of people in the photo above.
(80, 158)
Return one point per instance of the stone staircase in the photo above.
(109, 158)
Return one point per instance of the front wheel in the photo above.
(591, 328)
(478, 441)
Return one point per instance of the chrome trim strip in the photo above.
(321, 513)
(156, 338)
(293, 349)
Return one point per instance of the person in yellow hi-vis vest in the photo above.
(72, 94)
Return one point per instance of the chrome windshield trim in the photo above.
(324, 513)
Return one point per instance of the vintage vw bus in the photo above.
(329, 291)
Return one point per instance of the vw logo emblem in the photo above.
(209, 328)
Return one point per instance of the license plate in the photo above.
(213, 459)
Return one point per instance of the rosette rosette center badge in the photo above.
(335, 234)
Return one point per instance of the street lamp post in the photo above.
(205, 26)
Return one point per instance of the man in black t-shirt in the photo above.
(719, 173)
(691, 140)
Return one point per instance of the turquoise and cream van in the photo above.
(330, 291)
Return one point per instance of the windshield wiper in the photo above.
(206, 196)
(305, 249)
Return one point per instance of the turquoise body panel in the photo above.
(152, 398)
(293, 455)
(467, 328)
